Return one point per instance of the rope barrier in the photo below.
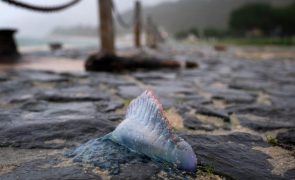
(41, 8)
(120, 19)
(48, 9)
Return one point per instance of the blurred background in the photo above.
(228, 21)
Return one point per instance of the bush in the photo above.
(286, 19)
(270, 20)
(184, 34)
(217, 33)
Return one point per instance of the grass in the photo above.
(126, 102)
(206, 170)
(271, 140)
(258, 41)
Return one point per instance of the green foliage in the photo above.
(184, 34)
(259, 41)
(271, 140)
(252, 16)
(269, 20)
(212, 32)
(286, 18)
(126, 102)
(205, 170)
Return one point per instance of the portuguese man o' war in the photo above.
(146, 130)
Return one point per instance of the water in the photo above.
(121, 41)
(44, 41)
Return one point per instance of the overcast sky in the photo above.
(32, 23)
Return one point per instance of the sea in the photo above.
(70, 41)
(24, 42)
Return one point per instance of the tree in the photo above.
(213, 32)
(186, 33)
(286, 19)
(271, 21)
(253, 16)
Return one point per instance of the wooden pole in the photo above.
(137, 24)
(151, 38)
(106, 27)
(154, 36)
(148, 31)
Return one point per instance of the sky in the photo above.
(33, 24)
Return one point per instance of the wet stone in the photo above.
(232, 96)
(44, 135)
(3, 77)
(82, 93)
(215, 112)
(187, 103)
(280, 116)
(14, 87)
(193, 123)
(288, 102)
(168, 102)
(250, 84)
(111, 80)
(194, 100)
(287, 139)
(48, 169)
(146, 76)
(255, 109)
(34, 106)
(263, 124)
(144, 170)
(116, 117)
(42, 76)
(58, 112)
(6, 120)
(233, 155)
(165, 88)
(109, 106)
(129, 92)
(282, 91)
(290, 173)
(76, 74)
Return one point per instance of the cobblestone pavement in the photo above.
(238, 115)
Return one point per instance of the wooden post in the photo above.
(137, 24)
(151, 38)
(149, 31)
(154, 36)
(106, 27)
(8, 46)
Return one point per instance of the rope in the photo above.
(120, 19)
(41, 8)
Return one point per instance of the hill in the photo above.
(184, 14)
